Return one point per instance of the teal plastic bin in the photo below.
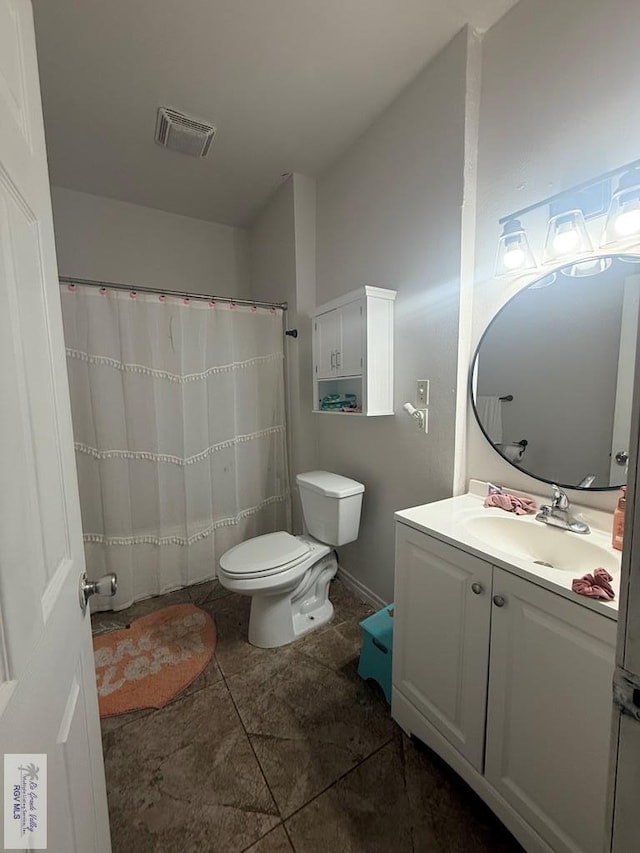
(377, 649)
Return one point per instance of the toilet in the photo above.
(288, 576)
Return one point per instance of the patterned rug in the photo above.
(151, 661)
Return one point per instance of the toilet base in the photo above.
(279, 619)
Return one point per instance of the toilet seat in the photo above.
(265, 555)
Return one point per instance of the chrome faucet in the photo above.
(557, 514)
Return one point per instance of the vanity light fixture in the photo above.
(566, 235)
(623, 219)
(594, 266)
(514, 252)
(546, 281)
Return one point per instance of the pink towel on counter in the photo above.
(595, 585)
(511, 503)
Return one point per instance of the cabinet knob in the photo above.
(499, 601)
(477, 588)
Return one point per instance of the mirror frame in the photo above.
(543, 273)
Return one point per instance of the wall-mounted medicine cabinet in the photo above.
(353, 353)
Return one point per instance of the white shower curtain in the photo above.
(179, 423)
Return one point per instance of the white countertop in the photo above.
(445, 520)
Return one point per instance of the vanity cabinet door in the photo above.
(549, 711)
(441, 637)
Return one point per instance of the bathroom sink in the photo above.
(542, 544)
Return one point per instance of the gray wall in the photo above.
(389, 215)
(282, 242)
(559, 105)
(101, 238)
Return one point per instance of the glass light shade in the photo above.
(566, 236)
(514, 253)
(586, 268)
(547, 281)
(623, 219)
(629, 259)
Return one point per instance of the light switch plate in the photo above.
(422, 393)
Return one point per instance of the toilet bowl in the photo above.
(288, 576)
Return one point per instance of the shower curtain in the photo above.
(179, 426)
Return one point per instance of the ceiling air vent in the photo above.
(183, 134)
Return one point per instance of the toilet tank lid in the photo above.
(332, 485)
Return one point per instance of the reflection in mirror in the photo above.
(552, 377)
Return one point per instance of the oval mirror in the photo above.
(552, 377)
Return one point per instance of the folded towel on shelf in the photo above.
(510, 503)
(596, 585)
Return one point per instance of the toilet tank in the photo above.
(331, 506)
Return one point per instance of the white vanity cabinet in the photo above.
(353, 350)
(511, 685)
(441, 638)
(549, 711)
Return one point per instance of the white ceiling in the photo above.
(288, 83)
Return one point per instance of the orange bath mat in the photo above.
(151, 661)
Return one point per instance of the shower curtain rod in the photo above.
(112, 285)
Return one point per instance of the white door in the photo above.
(624, 776)
(349, 354)
(624, 385)
(441, 637)
(48, 702)
(325, 344)
(549, 712)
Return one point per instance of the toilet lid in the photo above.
(262, 554)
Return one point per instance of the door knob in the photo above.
(499, 601)
(622, 457)
(106, 585)
(477, 588)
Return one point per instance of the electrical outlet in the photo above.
(422, 393)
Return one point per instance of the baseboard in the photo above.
(363, 592)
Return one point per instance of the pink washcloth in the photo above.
(595, 585)
(511, 503)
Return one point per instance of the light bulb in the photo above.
(628, 222)
(513, 258)
(566, 235)
(623, 218)
(566, 241)
(513, 250)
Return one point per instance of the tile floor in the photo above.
(281, 751)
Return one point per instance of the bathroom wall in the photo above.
(559, 105)
(101, 238)
(389, 214)
(282, 243)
